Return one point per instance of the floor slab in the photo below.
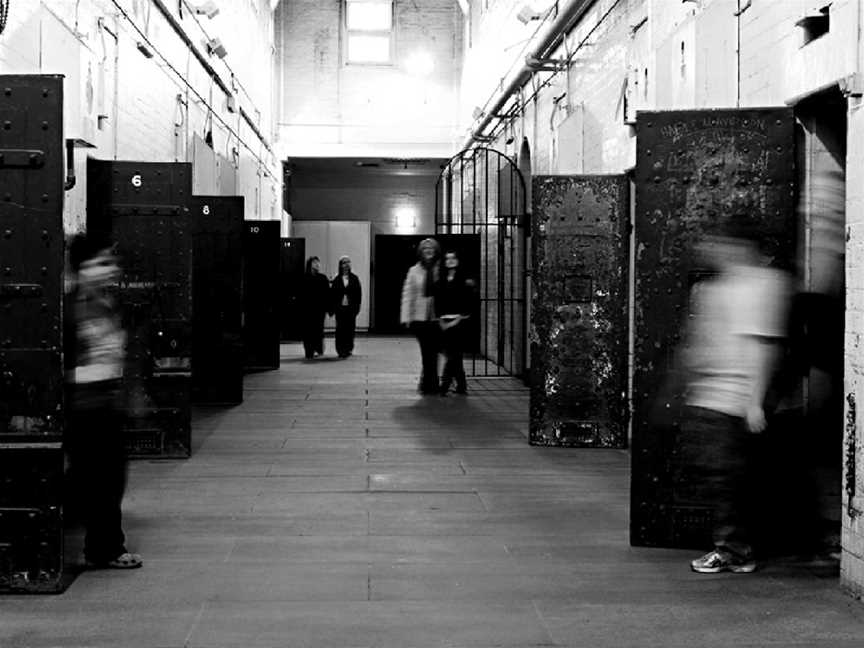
(336, 507)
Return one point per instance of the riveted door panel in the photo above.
(261, 260)
(217, 340)
(31, 255)
(696, 171)
(143, 207)
(579, 316)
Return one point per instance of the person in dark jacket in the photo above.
(314, 305)
(453, 294)
(346, 294)
(95, 359)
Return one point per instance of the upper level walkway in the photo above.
(336, 507)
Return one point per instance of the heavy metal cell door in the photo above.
(217, 293)
(695, 170)
(481, 191)
(292, 266)
(31, 303)
(261, 260)
(579, 315)
(144, 208)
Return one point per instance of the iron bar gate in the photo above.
(481, 191)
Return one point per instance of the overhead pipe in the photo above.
(202, 60)
(549, 42)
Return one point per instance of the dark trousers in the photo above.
(451, 343)
(313, 335)
(97, 457)
(346, 325)
(715, 453)
(428, 335)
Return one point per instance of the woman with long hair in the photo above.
(314, 305)
(452, 307)
(418, 310)
(346, 295)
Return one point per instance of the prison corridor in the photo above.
(337, 507)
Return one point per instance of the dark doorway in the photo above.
(813, 446)
(395, 254)
(292, 266)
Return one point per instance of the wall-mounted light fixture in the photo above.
(406, 219)
(144, 49)
(215, 46)
(207, 8)
(528, 13)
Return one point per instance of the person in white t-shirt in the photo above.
(737, 321)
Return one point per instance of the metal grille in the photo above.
(481, 191)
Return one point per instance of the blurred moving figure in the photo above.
(346, 296)
(732, 348)
(314, 305)
(452, 307)
(95, 360)
(418, 310)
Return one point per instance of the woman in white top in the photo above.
(418, 310)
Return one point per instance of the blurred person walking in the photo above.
(94, 346)
(732, 348)
(315, 303)
(417, 310)
(346, 296)
(453, 294)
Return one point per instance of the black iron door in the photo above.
(31, 304)
(693, 170)
(144, 208)
(579, 315)
(481, 191)
(292, 266)
(261, 259)
(217, 299)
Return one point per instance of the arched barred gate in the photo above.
(481, 192)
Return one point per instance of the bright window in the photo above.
(370, 30)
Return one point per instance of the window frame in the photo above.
(390, 33)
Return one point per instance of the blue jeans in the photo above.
(715, 453)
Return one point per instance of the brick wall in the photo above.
(149, 113)
(852, 562)
(331, 109)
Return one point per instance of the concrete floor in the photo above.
(336, 507)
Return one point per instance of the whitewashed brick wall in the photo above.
(330, 108)
(151, 115)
